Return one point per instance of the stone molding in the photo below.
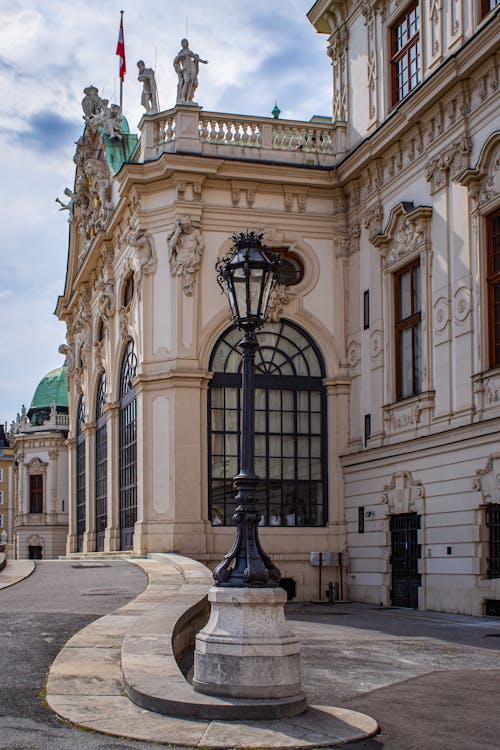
(407, 233)
(487, 480)
(403, 494)
(410, 413)
(449, 164)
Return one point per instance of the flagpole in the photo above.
(121, 79)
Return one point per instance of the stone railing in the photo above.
(188, 129)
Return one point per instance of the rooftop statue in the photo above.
(149, 96)
(186, 65)
(69, 205)
(110, 119)
(92, 103)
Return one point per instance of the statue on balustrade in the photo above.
(149, 96)
(186, 65)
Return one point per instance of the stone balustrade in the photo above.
(188, 129)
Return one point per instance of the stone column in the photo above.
(112, 533)
(337, 392)
(89, 534)
(71, 539)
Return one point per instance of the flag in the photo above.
(120, 51)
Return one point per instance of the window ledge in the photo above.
(410, 414)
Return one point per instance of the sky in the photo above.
(258, 52)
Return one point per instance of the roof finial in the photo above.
(276, 111)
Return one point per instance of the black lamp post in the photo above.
(247, 276)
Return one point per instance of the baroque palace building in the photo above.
(378, 376)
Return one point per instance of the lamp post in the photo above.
(247, 650)
(247, 276)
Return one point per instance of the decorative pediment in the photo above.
(407, 232)
(484, 179)
(403, 494)
(36, 466)
(487, 480)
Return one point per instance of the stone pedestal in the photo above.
(247, 649)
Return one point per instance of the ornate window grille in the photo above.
(101, 464)
(290, 427)
(80, 476)
(128, 448)
(493, 524)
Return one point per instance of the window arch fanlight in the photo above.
(80, 476)
(101, 463)
(127, 465)
(290, 427)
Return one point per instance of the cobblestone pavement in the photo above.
(432, 681)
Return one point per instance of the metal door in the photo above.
(404, 560)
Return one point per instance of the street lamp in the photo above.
(246, 649)
(247, 276)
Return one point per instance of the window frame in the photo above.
(297, 504)
(1, 497)
(412, 321)
(36, 494)
(492, 279)
(396, 55)
(493, 541)
(484, 8)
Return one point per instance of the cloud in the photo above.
(48, 131)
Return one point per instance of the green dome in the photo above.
(52, 387)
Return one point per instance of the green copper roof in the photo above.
(52, 387)
(119, 150)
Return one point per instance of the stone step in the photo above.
(120, 555)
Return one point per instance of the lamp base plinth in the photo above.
(247, 649)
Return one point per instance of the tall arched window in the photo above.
(290, 427)
(128, 448)
(101, 464)
(80, 476)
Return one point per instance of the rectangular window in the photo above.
(1, 497)
(493, 524)
(405, 53)
(1, 521)
(361, 520)
(368, 428)
(408, 331)
(493, 282)
(36, 493)
(1, 475)
(486, 5)
(366, 309)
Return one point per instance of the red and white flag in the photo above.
(120, 51)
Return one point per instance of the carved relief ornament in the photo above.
(407, 233)
(483, 180)
(487, 480)
(403, 494)
(449, 163)
(186, 246)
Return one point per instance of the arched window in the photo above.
(128, 448)
(101, 464)
(80, 476)
(128, 290)
(290, 427)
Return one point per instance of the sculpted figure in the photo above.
(110, 118)
(144, 259)
(69, 205)
(186, 246)
(186, 65)
(92, 103)
(149, 96)
(100, 188)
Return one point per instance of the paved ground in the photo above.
(432, 681)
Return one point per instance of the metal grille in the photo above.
(101, 465)
(128, 449)
(493, 524)
(290, 428)
(80, 477)
(404, 559)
